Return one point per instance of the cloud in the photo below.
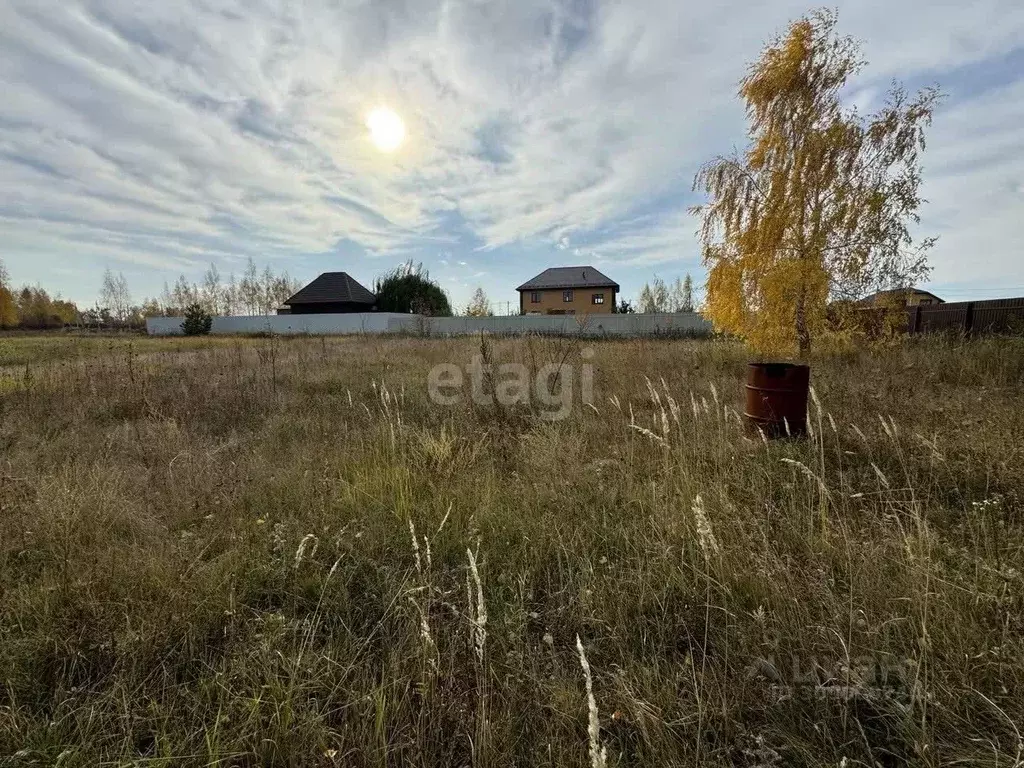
(649, 240)
(162, 136)
(973, 183)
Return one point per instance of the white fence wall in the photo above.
(587, 325)
(387, 322)
(366, 322)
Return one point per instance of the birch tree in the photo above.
(115, 295)
(479, 305)
(249, 289)
(645, 304)
(212, 293)
(821, 203)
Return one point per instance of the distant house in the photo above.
(332, 292)
(908, 297)
(568, 291)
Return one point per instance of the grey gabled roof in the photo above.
(333, 287)
(568, 277)
(899, 292)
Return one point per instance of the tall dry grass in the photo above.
(280, 552)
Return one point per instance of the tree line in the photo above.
(31, 307)
(256, 293)
(657, 297)
(406, 288)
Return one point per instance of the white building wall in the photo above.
(388, 322)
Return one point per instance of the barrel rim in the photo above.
(781, 364)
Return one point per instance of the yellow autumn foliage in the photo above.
(8, 305)
(818, 206)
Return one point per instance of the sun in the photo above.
(387, 131)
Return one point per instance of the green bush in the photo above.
(410, 289)
(198, 321)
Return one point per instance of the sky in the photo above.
(155, 138)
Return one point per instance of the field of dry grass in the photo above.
(282, 553)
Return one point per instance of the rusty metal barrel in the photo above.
(777, 398)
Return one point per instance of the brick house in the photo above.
(568, 291)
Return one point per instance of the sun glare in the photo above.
(387, 131)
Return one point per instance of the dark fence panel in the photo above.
(993, 316)
(999, 316)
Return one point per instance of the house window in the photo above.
(535, 297)
(597, 298)
(567, 295)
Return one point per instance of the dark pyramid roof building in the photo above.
(332, 292)
(568, 277)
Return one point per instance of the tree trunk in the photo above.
(803, 335)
